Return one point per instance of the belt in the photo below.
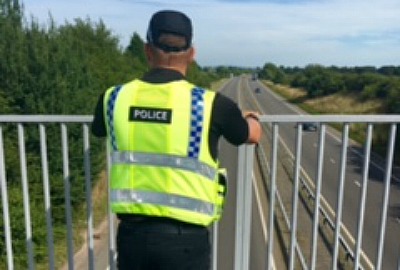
(159, 224)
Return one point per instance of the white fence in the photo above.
(274, 154)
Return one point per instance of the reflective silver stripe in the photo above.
(162, 199)
(183, 163)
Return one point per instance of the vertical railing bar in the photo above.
(398, 263)
(46, 191)
(239, 209)
(4, 197)
(389, 164)
(295, 197)
(111, 230)
(321, 149)
(86, 153)
(274, 154)
(340, 195)
(67, 194)
(367, 155)
(25, 192)
(247, 203)
(215, 246)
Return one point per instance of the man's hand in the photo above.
(251, 114)
(252, 119)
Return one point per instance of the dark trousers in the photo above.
(157, 244)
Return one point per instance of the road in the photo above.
(268, 103)
(226, 234)
(272, 104)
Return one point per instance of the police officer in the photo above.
(163, 133)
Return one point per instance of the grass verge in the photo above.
(340, 104)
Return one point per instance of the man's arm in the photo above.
(98, 124)
(236, 126)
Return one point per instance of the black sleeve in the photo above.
(229, 120)
(98, 124)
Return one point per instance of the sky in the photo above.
(251, 33)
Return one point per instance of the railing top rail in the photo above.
(330, 118)
(289, 118)
(11, 118)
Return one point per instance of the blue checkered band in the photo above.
(110, 115)
(196, 125)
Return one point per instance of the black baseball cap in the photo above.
(169, 22)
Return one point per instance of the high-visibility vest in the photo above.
(160, 159)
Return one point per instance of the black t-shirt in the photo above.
(226, 118)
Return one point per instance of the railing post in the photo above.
(243, 205)
(271, 213)
(215, 246)
(339, 207)
(295, 197)
(111, 229)
(388, 176)
(4, 198)
(67, 194)
(317, 203)
(46, 194)
(363, 198)
(25, 191)
(88, 184)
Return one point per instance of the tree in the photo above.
(136, 48)
(58, 70)
(393, 97)
(135, 52)
(273, 73)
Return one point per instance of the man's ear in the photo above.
(192, 54)
(148, 52)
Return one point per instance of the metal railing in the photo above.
(342, 240)
(29, 134)
(41, 123)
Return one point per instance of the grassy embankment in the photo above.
(332, 104)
